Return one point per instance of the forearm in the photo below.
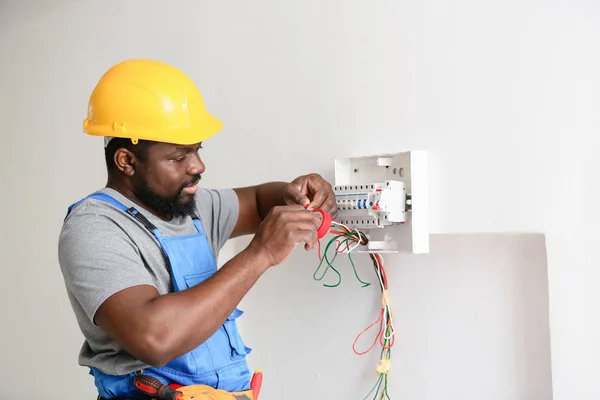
(269, 195)
(183, 320)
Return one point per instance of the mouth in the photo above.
(192, 187)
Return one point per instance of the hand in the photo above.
(311, 191)
(282, 230)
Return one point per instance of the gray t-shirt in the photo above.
(103, 250)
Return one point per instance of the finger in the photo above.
(307, 225)
(300, 214)
(290, 209)
(329, 205)
(313, 233)
(332, 206)
(310, 240)
(318, 199)
(295, 195)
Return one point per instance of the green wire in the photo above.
(325, 258)
(383, 378)
(365, 284)
(377, 386)
(329, 264)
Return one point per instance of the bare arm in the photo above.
(257, 201)
(157, 329)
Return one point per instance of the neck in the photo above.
(127, 190)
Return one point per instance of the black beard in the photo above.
(168, 206)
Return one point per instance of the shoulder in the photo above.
(99, 254)
(90, 212)
(93, 224)
(214, 202)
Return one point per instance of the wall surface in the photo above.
(471, 321)
(503, 95)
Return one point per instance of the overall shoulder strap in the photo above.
(198, 224)
(116, 203)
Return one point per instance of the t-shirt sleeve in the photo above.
(98, 259)
(219, 211)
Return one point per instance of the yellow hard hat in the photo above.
(149, 100)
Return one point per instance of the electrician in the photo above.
(139, 256)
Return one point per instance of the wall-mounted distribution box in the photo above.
(386, 197)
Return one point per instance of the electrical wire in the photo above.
(343, 236)
(347, 240)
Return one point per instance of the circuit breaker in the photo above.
(371, 205)
(385, 196)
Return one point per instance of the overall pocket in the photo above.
(238, 348)
(110, 386)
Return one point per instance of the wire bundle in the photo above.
(346, 240)
(385, 336)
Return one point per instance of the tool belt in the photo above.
(154, 389)
(203, 392)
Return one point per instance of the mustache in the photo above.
(195, 179)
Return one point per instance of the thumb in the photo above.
(300, 199)
(296, 196)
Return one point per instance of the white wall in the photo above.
(471, 320)
(503, 95)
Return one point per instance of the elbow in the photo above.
(157, 350)
(158, 347)
(154, 350)
(154, 360)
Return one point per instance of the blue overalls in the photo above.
(219, 362)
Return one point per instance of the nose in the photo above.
(196, 166)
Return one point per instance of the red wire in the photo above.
(366, 329)
(347, 246)
(377, 260)
(380, 337)
(383, 275)
(319, 249)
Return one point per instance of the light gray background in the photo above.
(503, 95)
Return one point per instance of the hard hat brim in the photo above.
(209, 127)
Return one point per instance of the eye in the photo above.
(178, 159)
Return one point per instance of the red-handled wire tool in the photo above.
(153, 387)
(256, 383)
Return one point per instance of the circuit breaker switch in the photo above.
(372, 205)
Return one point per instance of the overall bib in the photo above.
(219, 362)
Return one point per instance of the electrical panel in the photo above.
(386, 197)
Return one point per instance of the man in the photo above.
(138, 256)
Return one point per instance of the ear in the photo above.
(125, 161)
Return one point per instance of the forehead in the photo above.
(162, 149)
